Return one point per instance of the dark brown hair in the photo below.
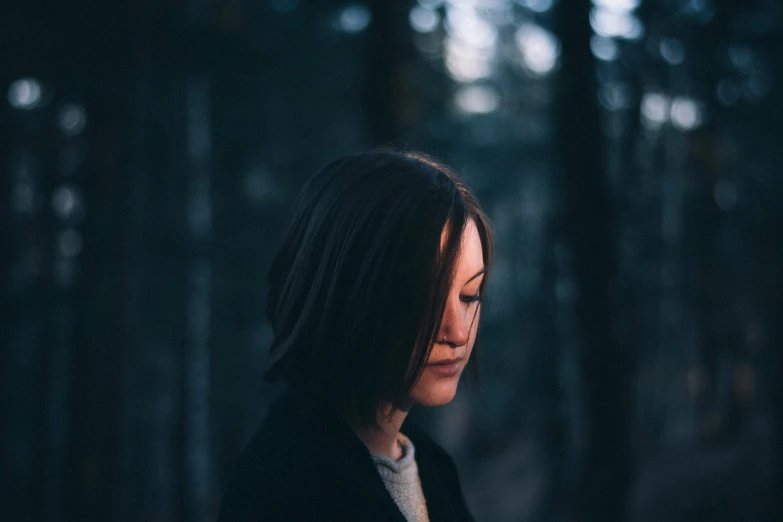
(358, 288)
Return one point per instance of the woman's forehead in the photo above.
(470, 258)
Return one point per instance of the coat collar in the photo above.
(336, 452)
(339, 450)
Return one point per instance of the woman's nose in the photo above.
(455, 326)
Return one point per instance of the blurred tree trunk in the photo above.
(389, 89)
(771, 278)
(776, 399)
(602, 484)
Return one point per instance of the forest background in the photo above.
(629, 153)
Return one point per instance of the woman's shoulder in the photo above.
(302, 464)
(292, 443)
(268, 473)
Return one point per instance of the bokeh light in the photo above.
(354, 18)
(603, 48)
(465, 64)
(654, 109)
(617, 5)
(539, 48)
(727, 92)
(537, 6)
(431, 4)
(616, 24)
(672, 51)
(24, 93)
(686, 113)
(477, 99)
(72, 119)
(466, 25)
(67, 203)
(424, 20)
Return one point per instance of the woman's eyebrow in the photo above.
(476, 275)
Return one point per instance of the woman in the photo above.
(374, 301)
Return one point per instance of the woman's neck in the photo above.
(384, 441)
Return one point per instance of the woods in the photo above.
(627, 151)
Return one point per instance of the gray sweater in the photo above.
(402, 480)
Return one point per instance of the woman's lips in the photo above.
(448, 368)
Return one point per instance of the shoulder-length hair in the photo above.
(358, 288)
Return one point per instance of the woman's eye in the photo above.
(471, 298)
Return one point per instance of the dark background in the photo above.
(629, 153)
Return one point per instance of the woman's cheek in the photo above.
(474, 331)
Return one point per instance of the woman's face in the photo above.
(438, 382)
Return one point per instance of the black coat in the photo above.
(305, 464)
